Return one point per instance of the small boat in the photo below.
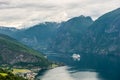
(76, 57)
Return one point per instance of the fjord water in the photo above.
(65, 73)
(85, 69)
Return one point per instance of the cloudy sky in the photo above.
(24, 13)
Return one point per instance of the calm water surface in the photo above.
(65, 73)
(80, 70)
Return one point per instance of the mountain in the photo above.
(37, 37)
(70, 33)
(82, 34)
(103, 36)
(102, 43)
(98, 44)
(52, 35)
(11, 31)
(13, 53)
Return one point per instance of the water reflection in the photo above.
(85, 75)
(67, 73)
(59, 73)
(101, 67)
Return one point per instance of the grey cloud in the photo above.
(26, 12)
(4, 3)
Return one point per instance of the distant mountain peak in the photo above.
(80, 19)
(118, 8)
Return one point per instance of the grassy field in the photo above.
(3, 74)
(20, 71)
(54, 65)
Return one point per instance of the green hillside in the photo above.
(14, 53)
